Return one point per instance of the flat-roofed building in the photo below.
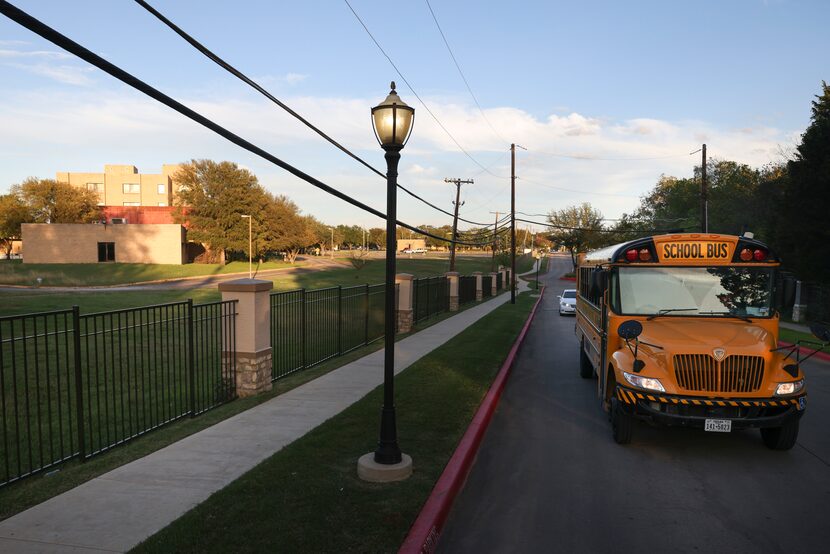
(66, 243)
(123, 185)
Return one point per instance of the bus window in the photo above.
(745, 291)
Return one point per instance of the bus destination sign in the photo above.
(694, 251)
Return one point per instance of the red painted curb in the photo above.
(567, 279)
(423, 536)
(820, 355)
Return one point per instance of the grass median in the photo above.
(308, 498)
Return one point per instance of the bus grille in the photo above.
(700, 372)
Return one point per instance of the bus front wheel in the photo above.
(622, 424)
(781, 438)
(586, 370)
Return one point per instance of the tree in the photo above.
(285, 230)
(376, 236)
(49, 201)
(212, 197)
(577, 228)
(13, 213)
(803, 234)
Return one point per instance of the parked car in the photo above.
(567, 302)
(414, 251)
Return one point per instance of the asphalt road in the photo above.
(549, 477)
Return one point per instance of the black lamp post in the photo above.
(538, 257)
(392, 121)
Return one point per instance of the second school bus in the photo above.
(682, 329)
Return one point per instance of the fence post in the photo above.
(479, 288)
(302, 324)
(79, 389)
(493, 284)
(191, 361)
(798, 307)
(366, 313)
(253, 340)
(405, 302)
(504, 279)
(452, 279)
(339, 320)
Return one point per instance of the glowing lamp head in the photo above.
(392, 121)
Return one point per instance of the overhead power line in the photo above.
(40, 28)
(412, 90)
(463, 78)
(238, 74)
(601, 230)
(591, 157)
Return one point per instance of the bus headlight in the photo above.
(789, 388)
(648, 383)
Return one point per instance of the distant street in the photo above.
(549, 477)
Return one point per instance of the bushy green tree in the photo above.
(803, 233)
(13, 213)
(576, 228)
(50, 201)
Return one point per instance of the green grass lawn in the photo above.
(308, 498)
(31, 301)
(14, 272)
(789, 335)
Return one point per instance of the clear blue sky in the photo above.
(592, 79)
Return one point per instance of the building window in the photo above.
(131, 188)
(106, 251)
(132, 203)
(162, 204)
(162, 189)
(95, 187)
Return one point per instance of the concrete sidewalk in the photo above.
(116, 511)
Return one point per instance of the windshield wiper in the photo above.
(728, 314)
(668, 311)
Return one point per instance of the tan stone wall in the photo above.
(63, 243)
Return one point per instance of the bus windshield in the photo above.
(693, 291)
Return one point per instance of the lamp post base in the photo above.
(369, 470)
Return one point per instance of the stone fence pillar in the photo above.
(452, 279)
(494, 284)
(405, 302)
(479, 288)
(253, 339)
(504, 284)
(799, 309)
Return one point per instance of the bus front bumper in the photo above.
(693, 411)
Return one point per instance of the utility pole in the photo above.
(495, 240)
(512, 223)
(458, 204)
(704, 196)
(332, 243)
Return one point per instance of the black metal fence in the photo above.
(466, 289)
(309, 327)
(431, 296)
(73, 385)
(486, 286)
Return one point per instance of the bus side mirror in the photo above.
(599, 282)
(821, 332)
(630, 330)
(785, 292)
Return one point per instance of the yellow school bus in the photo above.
(682, 329)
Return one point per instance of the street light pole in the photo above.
(250, 244)
(332, 242)
(512, 223)
(392, 121)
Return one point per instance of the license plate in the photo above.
(718, 425)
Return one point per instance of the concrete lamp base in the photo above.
(369, 470)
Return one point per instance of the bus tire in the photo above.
(622, 424)
(586, 370)
(781, 438)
